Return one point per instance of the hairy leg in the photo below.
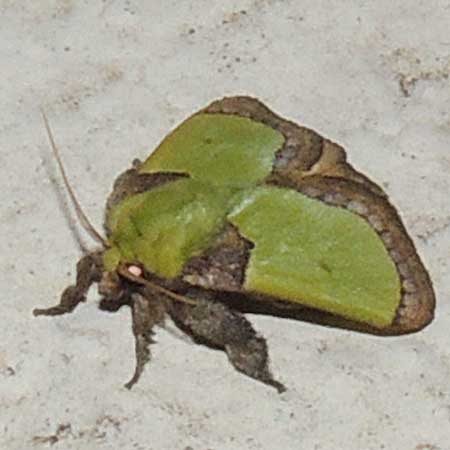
(214, 324)
(146, 313)
(89, 271)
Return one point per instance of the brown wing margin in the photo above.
(304, 153)
(318, 168)
(417, 296)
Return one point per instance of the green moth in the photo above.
(239, 210)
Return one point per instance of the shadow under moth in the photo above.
(237, 211)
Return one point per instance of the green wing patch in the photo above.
(318, 255)
(162, 228)
(218, 149)
(166, 226)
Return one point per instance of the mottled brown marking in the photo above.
(217, 325)
(222, 266)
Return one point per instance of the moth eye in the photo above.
(134, 270)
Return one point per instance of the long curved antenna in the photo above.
(86, 224)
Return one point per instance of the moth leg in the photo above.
(146, 312)
(214, 324)
(89, 271)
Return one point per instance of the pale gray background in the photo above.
(115, 77)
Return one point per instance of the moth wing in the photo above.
(316, 167)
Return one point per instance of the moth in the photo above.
(238, 210)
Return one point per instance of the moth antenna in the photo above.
(131, 275)
(85, 223)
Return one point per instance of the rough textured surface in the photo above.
(114, 77)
